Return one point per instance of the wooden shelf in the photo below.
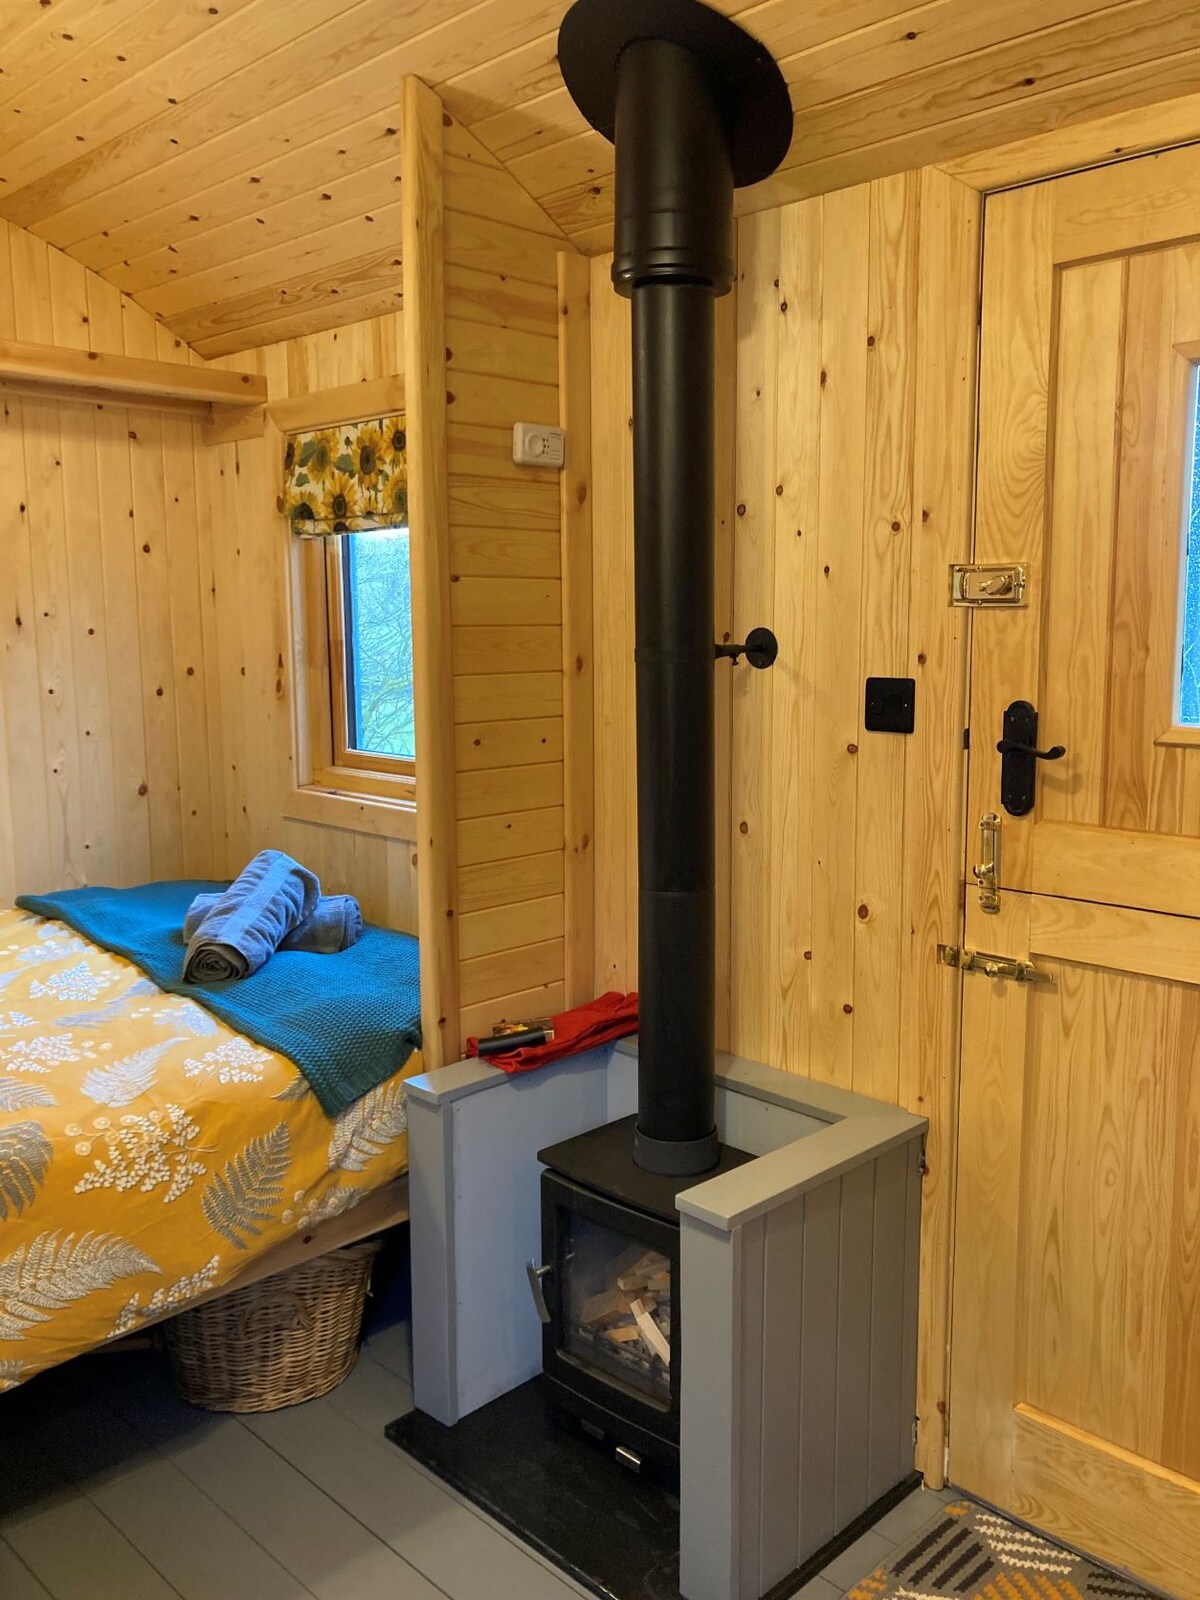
(54, 373)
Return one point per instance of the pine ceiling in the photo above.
(234, 165)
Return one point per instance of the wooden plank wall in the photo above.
(501, 270)
(145, 692)
(839, 851)
(110, 745)
(250, 555)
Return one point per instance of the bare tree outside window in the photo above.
(377, 598)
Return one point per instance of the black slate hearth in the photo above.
(616, 1533)
(566, 1496)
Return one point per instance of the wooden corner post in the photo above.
(429, 521)
(575, 415)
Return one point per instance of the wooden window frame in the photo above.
(389, 771)
(337, 765)
(366, 796)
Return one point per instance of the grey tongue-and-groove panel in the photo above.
(798, 1400)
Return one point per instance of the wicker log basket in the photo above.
(276, 1343)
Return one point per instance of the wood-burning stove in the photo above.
(607, 1291)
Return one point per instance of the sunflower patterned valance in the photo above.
(347, 479)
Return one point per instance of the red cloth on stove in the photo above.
(611, 1016)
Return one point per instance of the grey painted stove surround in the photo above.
(799, 1291)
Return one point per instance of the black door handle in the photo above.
(1008, 747)
(1019, 749)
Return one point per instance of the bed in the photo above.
(152, 1156)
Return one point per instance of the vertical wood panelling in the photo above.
(158, 668)
(1181, 1420)
(517, 351)
(725, 458)
(612, 606)
(818, 1367)
(887, 1457)
(932, 818)
(989, 1173)
(107, 744)
(887, 532)
(81, 505)
(790, 682)
(838, 677)
(1011, 501)
(753, 606)
(425, 365)
(1084, 489)
(575, 498)
(854, 421)
(783, 1286)
(856, 1243)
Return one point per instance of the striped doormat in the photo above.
(971, 1553)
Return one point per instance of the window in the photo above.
(361, 715)
(1189, 653)
(345, 495)
(372, 678)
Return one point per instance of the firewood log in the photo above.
(603, 1307)
(624, 1334)
(652, 1335)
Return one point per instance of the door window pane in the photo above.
(1189, 674)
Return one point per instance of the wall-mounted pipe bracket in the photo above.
(760, 648)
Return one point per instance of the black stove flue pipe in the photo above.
(695, 107)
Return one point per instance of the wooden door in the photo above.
(1075, 1371)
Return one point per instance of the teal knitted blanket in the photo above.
(348, 1021)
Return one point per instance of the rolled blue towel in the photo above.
(335, 925)
(268, 900)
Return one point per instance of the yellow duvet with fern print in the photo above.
(148, 1152)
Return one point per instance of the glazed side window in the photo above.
(1189, 651)
(360, 685)
(371, 681)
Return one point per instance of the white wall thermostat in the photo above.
(537, 446)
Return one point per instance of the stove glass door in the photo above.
(616, 1306)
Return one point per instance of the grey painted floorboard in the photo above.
(79, 1555)
(201, 1552)
(49, 1522)
(392, 1348)
(818, 1589)
(308, 1533)
(869, 1550)
(457, 1550)
(372, 1396)
(913, 1513)
(16, 1580)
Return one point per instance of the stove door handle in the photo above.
(535, 1275)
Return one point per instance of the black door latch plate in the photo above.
(1018, 769)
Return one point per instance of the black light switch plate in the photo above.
(891, 705)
